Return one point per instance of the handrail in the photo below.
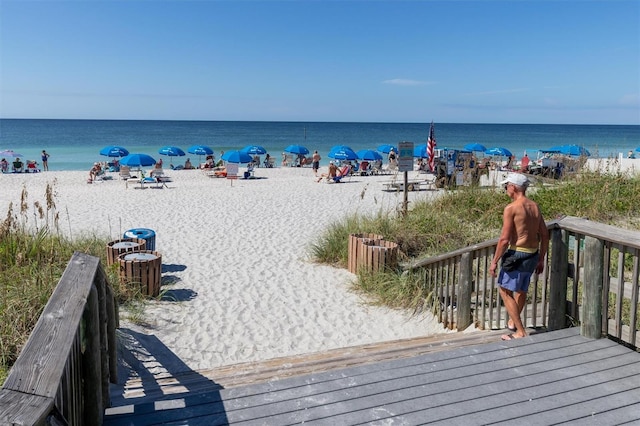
(63, 372)
(587, 259)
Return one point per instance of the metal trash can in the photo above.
(146, 234)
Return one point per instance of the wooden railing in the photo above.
(590, 278)
(62, 375)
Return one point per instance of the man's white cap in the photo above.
(517, 179)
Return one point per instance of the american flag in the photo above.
(431, 147)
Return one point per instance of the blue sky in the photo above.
(370, 61)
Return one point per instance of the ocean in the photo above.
(75, 144)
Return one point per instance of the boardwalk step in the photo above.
(164, 384)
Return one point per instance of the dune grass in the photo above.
(468, 216)
(33, 256)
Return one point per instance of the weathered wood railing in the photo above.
(590, 277)
(62, 375)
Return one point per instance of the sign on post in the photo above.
(232, 171)
(405, 156)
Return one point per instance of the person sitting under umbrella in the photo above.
(4, 165)
(18, 165)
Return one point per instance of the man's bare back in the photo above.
(527, 221)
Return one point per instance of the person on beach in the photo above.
(392, 158)
(188, 165)
(332, 173)
(524, 162)
(631, 154)
(4, 165)
(522, 246)
(316, 162)
(45, 160)
(94, 172)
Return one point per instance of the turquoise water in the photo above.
(75, 144)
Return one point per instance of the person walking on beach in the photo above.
(45, 160)
(316, 162)
(522, 245)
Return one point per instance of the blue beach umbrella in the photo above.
(297, 149)
(385, 148)
(171, 151)
(499, 151)
(114, 151)
(200, 150)
(571, 150)
(342, 152)
(637, 149)
(420, 151)
(475, 146)
(369, 155)
(137, 160)
(254, 150)
(237, 157)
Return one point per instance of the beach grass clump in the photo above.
(606, 198)
(471, 215)
(33, 257)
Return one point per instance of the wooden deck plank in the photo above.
(545, 378)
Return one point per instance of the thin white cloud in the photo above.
(497, 92)
(406, 82)
(630, 99)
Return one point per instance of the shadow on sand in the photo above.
(155, 386)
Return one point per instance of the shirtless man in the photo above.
(333, 172)
(525, 239)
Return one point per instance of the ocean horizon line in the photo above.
(311, 121)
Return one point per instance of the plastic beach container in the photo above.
(144, 233)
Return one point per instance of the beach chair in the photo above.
(364, 168)
(32, 167)
(125, 172)
(344, 172)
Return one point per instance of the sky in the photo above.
(511, 61)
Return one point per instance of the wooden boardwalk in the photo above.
(547, 378)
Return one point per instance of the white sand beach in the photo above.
(235, 257)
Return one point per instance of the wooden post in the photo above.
(558, 283)
(464, 293)
(91, 364)
(591, 324)
(112, 324)
(405, 202)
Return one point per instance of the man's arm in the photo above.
(503, 240)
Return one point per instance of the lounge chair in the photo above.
(364, 169)
(125, 172)
(342, 173)
(32, 167)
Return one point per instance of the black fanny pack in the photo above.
(511, 262)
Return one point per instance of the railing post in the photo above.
(558, 279)
(591, 324)
(463, 319)
(92, 362)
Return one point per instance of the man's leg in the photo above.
(521, 300)
(513, 310)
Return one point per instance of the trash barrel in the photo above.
(146, 234)
(117, 247)
(143, 269)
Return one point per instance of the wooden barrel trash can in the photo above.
(355, 248)
(126, 245)
(143, 268)
(378, 255)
